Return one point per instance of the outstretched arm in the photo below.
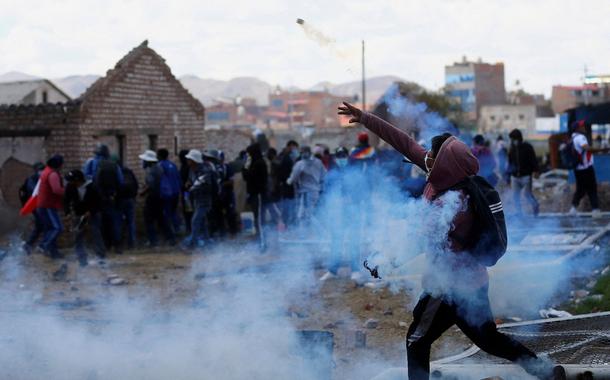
(397, 138)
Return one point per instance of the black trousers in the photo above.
(586, 183)
(472, 314)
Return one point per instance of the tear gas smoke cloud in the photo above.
(416, 115)
(243, 330)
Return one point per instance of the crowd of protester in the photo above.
(192, 203)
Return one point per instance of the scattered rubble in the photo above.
(552, 313)
(388, 311)
(115, 280)
(61, 273)
(371, 323)
(359, 339)
(581, 293)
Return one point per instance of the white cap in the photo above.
(148, 156)
(194, 155)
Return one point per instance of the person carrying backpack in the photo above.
(153, 211)
(202, 186)
(463, 298)
(25, 192)
(126, 203)
(108, 179)
(170, 189)
(584, 172)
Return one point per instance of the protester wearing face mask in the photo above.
(457, 295)
(286, 160)
(308, 178)
(522, 167)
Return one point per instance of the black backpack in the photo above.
(106, 179)
(568, 155)
(488, 243)
(130, 184)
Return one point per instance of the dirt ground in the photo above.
(338, 305)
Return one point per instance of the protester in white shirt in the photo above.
(586, 183)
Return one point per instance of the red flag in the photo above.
(32, 203)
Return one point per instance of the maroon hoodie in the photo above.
(453, 163)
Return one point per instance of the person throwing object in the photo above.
(459, 294)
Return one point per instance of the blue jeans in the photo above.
(170, 206)
(523, 183)
(38, 228)
(52, 229)
(199, 225)
(127, 213)
(153, 216)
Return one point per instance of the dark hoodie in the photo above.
(256, 173)
(453, 163)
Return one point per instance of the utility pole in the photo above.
(363, 81)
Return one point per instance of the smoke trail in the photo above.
(327, 43)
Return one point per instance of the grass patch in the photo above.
(589, 305)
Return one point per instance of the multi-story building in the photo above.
(314, 109)
(475, 84)
(594, 90)
(501, 119)
(238, 112)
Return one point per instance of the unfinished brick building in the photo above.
(138, 105)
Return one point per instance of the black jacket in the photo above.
(522, 160)
(284, 169)
(90, 203)
(256, 175)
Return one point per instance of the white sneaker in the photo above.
(572, 211)
(596, 213)
(327, 276)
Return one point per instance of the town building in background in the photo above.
(31, 92)
(474, 85)
(138, 105)
(595, 89)
(234, 113)
(303, 109)
(501, 119)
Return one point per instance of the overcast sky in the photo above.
(540, 42)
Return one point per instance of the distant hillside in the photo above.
(375, 87)
(16, 76)
(75, 85)
(206, 90)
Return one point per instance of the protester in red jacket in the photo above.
(455, 284)
(50, 201)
